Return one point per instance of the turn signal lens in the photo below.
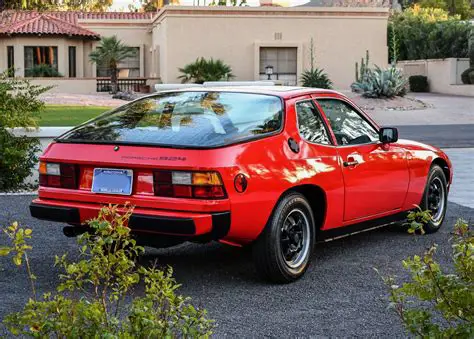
(42, 168)
(206, 178)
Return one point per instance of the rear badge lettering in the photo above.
(163, 158)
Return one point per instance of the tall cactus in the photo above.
(364, 67)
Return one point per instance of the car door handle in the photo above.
(350, 163)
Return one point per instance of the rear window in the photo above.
(185, 119)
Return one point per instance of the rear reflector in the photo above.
(180, 184)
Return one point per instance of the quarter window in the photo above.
(348, 126)
(310, 123)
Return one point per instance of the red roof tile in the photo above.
(54, 23)
(59, 23)
(116, 15)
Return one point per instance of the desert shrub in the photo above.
(19, 107)
(418, 83)
(316, 78)
(381, 83)
(438, 302)
(104, 280)
(43, 70)
(427, 33)
(203, 70)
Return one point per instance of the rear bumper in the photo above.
(214, 225)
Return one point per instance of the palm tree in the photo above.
(110, 52)
(203, 70)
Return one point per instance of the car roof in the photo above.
(285, 92)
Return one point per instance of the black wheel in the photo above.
(283, 251)
(435, 198)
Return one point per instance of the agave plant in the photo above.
(316, 78)
(382, 83)
(205, 70)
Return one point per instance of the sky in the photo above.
(123, 4)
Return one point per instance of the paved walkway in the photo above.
(443, 110)
(462, 190)
(97, 99)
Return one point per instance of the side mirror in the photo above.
(388, 135)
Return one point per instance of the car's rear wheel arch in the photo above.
(316, 198)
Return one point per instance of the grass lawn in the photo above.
(65, 115)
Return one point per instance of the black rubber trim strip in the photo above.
(360, 227)
(182, 226)
(55, 213)
(220, 225)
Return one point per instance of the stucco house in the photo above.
(246, 38)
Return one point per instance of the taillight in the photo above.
(179, 184)
(57, 175)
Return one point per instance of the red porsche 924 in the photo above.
(280, 168)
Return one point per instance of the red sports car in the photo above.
(280, 168)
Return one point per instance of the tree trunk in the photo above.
(113, 80)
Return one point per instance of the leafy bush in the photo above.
(104, 277)
(437, 302)
(381, 83)
(426, 33)
(19, 107)
(203, 70)
(466, 76)
(316, 78)
(418, 83)
(43, 70)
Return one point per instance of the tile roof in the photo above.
(59, 23)
(116, 15)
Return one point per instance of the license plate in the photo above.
(112, 181)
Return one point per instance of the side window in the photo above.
(310, 123)
(348, 126)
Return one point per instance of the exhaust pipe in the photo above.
(74, 231)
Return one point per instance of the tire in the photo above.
(283, 251)
(435, 198)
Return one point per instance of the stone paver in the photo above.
(462, 190)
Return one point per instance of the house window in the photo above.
(283, 60)
(41, 60)
(11, 61)
(72, 61)
(127, 68)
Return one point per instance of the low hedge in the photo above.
(418, 83)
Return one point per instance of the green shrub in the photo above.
(104, 281)
(17, 159)
(466, 76)
(438, 302)
(381, 83)
(418, 83)
(316, 78)
(203, 70)
(43, 70)
(428, 34)
(19, 107)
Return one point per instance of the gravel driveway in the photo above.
(340, 295)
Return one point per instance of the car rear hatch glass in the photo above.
(188, 119)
